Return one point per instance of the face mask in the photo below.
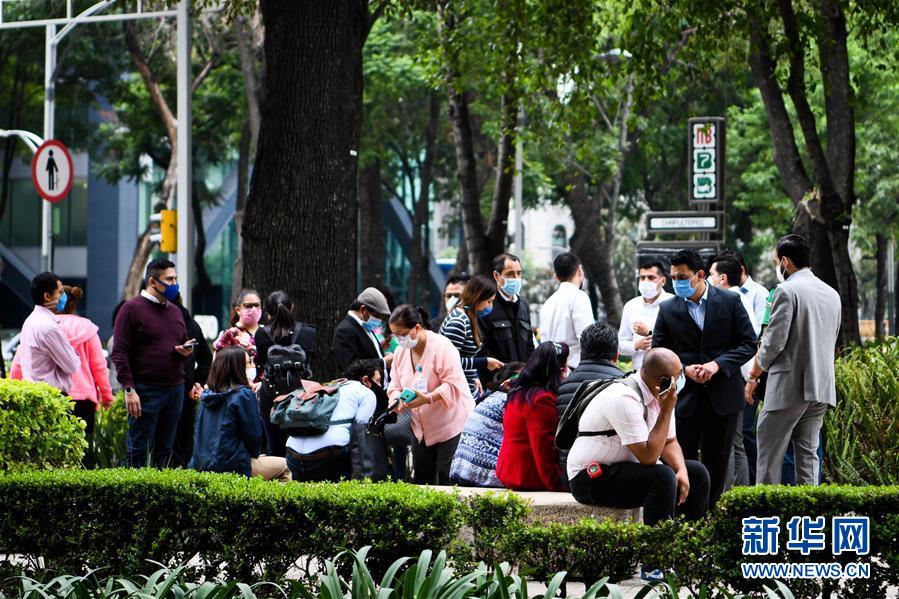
(683, 289)
(451, 303)
(61, 305)
(485, 311)
(371, 324)
(648, 289)
(250, 316)
(251, 374)
(681, 381)
(781, 277)
(406, 341)
(512, 287)
(170, 292)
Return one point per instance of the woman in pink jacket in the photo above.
(427, 366)
(90, 383)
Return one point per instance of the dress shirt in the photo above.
(355, 401)
(146, 294)
(758, 296)
(563, 317)
(697, 310)
(746, 300)
(638, 310)
(44, 354)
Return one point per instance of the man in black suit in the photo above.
(711, 333)
(354, 337)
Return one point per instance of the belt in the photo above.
(319, 454)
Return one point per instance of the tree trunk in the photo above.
(371, 220)
(880, 305)
(505, 174)
(243, 185)
(300, 224)
(204, 283)
(418, 250)
(586, 242)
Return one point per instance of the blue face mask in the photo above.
(683, 288)
(485, 311)
(512, 287)
(170, 292)
(681, 381)
(371, 324)
(63, 300)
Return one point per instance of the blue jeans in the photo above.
(153, 434)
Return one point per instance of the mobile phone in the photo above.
(665, 384)
(407, 395)
(188, 344)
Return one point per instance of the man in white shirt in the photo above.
(725, 273)
(623, 433)
(567, 312)
(639, 314)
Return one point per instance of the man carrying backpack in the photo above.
(319, 446)
(624, 429)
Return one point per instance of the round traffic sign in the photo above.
(51, 170)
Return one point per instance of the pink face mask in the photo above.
(250, 316)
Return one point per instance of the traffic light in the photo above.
(167, 234)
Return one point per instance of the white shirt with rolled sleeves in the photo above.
(564, 316)
(618, 407)
(758, 297)
(637, 310)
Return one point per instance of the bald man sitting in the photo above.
(629, 428)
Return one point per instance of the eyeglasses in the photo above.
(250, 306)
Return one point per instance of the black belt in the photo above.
(319, 454)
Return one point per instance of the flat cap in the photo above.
(374, 300)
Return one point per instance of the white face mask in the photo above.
(648, 289)
(406, 341)
(780, 274)
(251, 374)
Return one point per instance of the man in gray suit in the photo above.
(797, 351)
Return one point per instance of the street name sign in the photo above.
(684, 222)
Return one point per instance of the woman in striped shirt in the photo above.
(461, 328)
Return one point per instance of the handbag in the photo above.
(368, 453)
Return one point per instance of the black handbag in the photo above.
(368, 453)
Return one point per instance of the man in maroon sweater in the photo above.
(149, 348)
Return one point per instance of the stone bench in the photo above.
(549, 506)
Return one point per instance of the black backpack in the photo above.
(286, 366)
(567, 431)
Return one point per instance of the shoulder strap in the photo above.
(631, 382)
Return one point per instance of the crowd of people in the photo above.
(477, 395)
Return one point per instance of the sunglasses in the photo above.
(249, 306)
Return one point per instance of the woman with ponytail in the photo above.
(427, 378)
(245, 317)
(283, 328)
(461, 328)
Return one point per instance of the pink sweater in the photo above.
(91, 380)
(445, 417)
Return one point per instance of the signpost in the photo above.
(706, 155)
(684, 222)
(52, 171)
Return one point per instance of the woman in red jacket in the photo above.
(528, 460)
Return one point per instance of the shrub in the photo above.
(880, 504)
(232, 526)
(37, 428)
(110, 431)
(867, 380)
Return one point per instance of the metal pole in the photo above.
(185, 257)
(518, 184)
(49, 102)
(891, 286)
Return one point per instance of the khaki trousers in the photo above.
(270, 467)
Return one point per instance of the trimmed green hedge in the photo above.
(229, 526)
(37, 428)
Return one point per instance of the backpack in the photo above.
(567, 431)
(286, 366)
(307, 411)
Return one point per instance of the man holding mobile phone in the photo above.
(149, 350)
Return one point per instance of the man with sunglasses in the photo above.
(627, 455)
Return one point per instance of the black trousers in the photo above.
(184, 438)
(86, 410)
(712, 435)
(654, 488)
(276, 439)
(432, 462)
(328, 464)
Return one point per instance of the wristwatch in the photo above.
(755, 380)
(129, 390)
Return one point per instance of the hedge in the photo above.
(229, 526)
